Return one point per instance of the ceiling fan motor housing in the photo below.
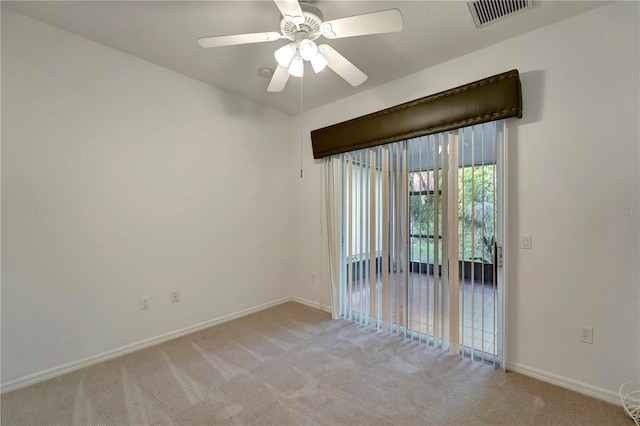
(310, 27)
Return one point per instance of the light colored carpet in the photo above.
(293, 365)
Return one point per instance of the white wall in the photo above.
(121, 179)
(573, 158)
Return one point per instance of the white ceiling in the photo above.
(166, 33)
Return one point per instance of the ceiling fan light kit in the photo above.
(296, 68)
(319, 63)
(285, 54)
(308, 49)
(302, 24)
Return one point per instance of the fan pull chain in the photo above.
(301, 95)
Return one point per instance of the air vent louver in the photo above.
(485, 12)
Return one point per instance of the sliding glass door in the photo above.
(421, 239)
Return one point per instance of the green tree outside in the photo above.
(476, 214)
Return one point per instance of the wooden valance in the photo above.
(489, 99)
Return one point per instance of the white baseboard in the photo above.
(311, 304)
(50, 373)
(566, 383)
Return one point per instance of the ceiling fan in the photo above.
(302, 24)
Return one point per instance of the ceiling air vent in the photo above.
(485, 12)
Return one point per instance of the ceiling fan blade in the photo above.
(385, 21)
(279, 79)
(342, 66)
(291, 10)
(231, 40)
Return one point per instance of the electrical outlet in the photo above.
(175, 297)
(144, 303)
(586, 335)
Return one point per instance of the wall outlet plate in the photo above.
(144, 303)
(586, 335)
(525, 242)
(175, 297)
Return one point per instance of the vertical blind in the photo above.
(415, 250)
(375, 235)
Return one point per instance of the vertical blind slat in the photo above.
(482, 197)
(372, 242)
(454, 327)
(385, 238)
(405, 238)
(428, 287)
(473, 248)
(462, 230)
(444, 202)
(350, 236)
(362, 237)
